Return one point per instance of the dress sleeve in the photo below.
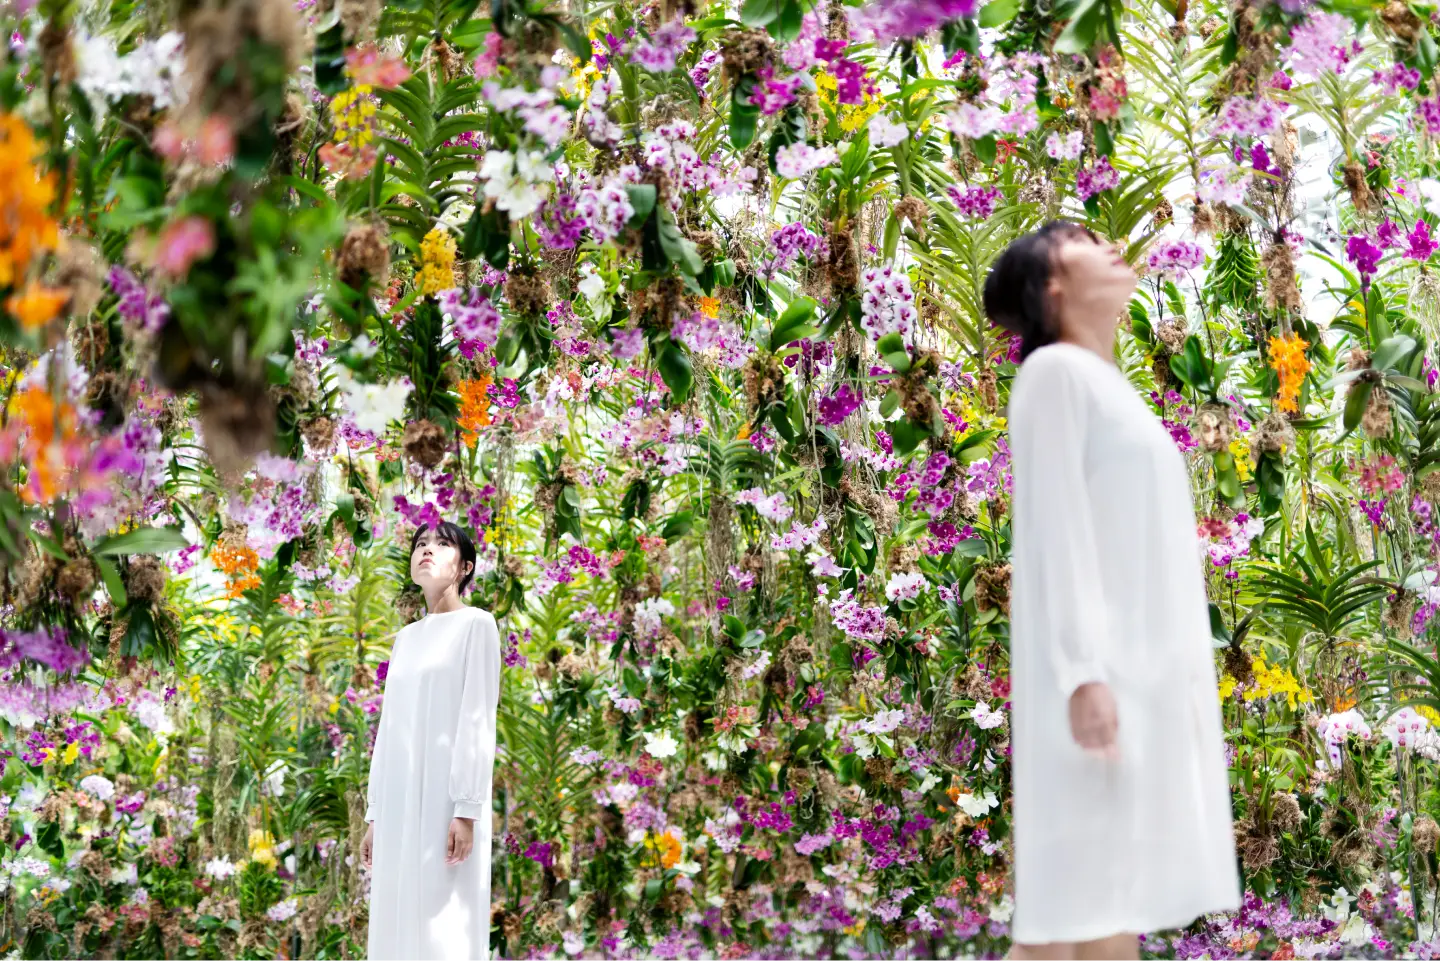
(377, 769)
(1048, 430)
(473, 762)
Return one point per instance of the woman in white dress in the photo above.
(428, 844)
(1122, 815)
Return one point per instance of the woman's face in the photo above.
(435, 562)
(1092, 281)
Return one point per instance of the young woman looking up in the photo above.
(1122, 804)
(428, 844)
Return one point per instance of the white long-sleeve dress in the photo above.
(1108, 585)
(433, 760)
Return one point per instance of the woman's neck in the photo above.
(1102, 344)
(445, 603)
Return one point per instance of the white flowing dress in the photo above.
(1108, 585)
(433, 760)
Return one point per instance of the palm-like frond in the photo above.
(538, 741)
(957, 255)
(728, 464)
(422, 118)
(1172, 80)
(1330, 606)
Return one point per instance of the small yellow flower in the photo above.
(852, 116)
(354, 113)
(262, 847)
(1273, 682)
(1244, 466)
(437, 252)
(72, 751)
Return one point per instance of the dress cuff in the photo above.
(370, 812)
(1073, 676)
(469, 809)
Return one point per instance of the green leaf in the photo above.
(1104, 146)
(471, 35)
(675, 370)
(1230, 49)
(143, 540)
(1356, 402)
(1390, 351)
(678, 525)
(114, 585)
(760, 13)
(780, 420)
(680, 249)
(998, 12)
(1217, 626)
(487, 233)
(892, 236)
(47, 835)
(1079, 34)
(725, 273)
(905, 437)
(787, 27)
(576, 40)
(892, 348)
(743, 114)
(789, 130)
(856, 160)
(330, 56)
(984, 149)
(642, 200)
(1427, 56)
(794, 323)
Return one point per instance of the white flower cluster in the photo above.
(1408, 730)
(771, 508)
(155, 68)
(99, 786)
(1335, 729)
(795, 160)
(907, 586)
(371, 407)
(606, 209)
(885, 132)
(799, 535)
(888, 304)
(543, 117)
(647, 616)
(884, 721)
(661, 745)
(517, 182)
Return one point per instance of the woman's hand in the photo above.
(1093, 720)
(462, 839)
(367, 846)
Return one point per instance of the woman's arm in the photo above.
(1049, 420)
(474, 759)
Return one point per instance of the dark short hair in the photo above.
(454, 535)
(1017, 295)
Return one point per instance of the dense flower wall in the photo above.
(676, 307)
